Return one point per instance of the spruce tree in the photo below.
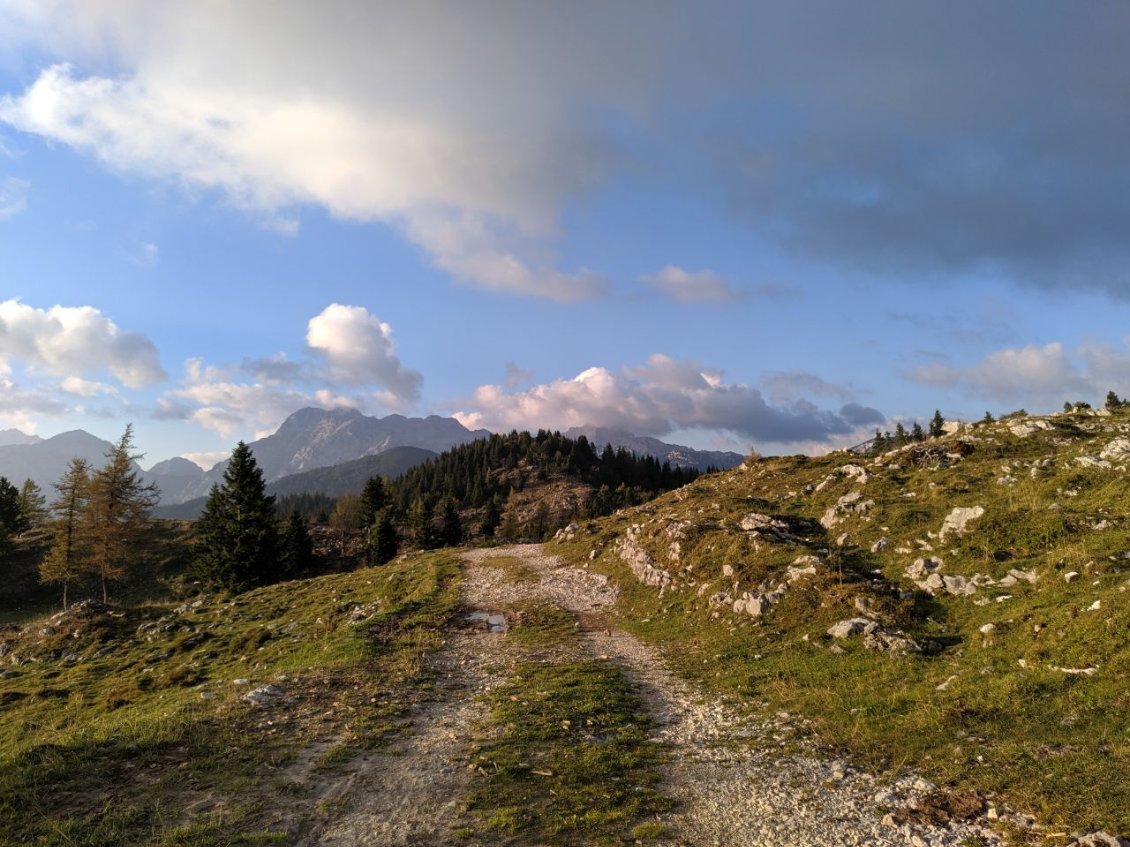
(373, 497)
(420, 519)
(33, 505)
(937, 425)
(492, 517)
(917, 433)
(237, 541)
(67, 559)
(118, 511)
(296, 550)
(10, 523)
(385, 544)
(451, 528)
(1113, 402)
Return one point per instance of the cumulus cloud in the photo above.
(13, 196)
(87, 388)
(785, 386)
(358, 350)
(20, 407)
(71, 340)
(654, 398)
(682, 286)
(1045, 375)
(352, 363)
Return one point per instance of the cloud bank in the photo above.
(937, 139)
(658, 397)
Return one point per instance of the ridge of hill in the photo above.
(958, 605)
(676, 455)
(333, 481)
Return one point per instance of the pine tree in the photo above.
(900, 434)
(451, 528)
(1113, 402)
(917, 433)
(296, 550)
(385, 543)
(237, 540)
(118, 511)
(33, 505)
(937, 425)
(68, 557)
(373, 498)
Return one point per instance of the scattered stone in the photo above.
(265, 695)
(880, 545)
(849, 627)
(850, 504)
(566, 533)
(921, 568)
(1100, 839)
(1075, 671)
(1070, 576)
(988, 629)
(956, 521)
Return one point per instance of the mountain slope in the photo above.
(45, 460)
(958, 604)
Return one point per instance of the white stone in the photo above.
(1071, 576)
(957, 520)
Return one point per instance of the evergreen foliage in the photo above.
(475, 474)
(451, 528)
(68, 557)
(117, 511)
(937, 425)
(33, 505)
(311, 506)
(373, 499)
(11, 522)
(421, 519)
(1114, 402)
(385, 543)
(237, 539)
(492, 517)
(296, 550)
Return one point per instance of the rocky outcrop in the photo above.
(641, 564)
(851, 503)
(875, 636)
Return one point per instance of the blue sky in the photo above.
(751, 225)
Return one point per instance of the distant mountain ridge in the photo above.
(45, 460)
(642, 445)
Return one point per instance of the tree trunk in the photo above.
(64, 595)
(105, 596)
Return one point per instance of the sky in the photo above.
(772, 226)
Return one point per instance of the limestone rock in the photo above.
(1117, 450)
(956, 522)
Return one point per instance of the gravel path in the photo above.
(734, 784)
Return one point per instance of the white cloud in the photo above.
(683, 286)
(20, 407)
(358, 350)
(71, 340)
(655, 398)
(1037, 376)
(13, 196)
(206, 460)
(87, 388)
(787, 386)
(314, 112)
(351, 350)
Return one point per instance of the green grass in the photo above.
(117, 749)
(1053, 744)
(566, 758)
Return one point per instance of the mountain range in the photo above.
(308, 440)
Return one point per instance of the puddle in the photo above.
(494, 622)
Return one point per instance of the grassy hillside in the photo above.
(161, 725)
(997, 653)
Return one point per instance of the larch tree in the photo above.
(236, 536)
(67, 559)
(118, 511)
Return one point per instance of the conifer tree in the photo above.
(420, 519)
(917, 433)
(296, 550)
(237, 540)
(373, 497)
(33, 505)
(10, 523)
(1113, 402)
(385, 544)
(67, 559)
(118, 511)
(492, 517)
(937, 425)
(451, 528)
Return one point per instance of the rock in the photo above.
(1075, 671)
(1094, 607)
(1024, 428)
(850, 503)
(988, 628)
(921, 568)
(1100, 839)
(566, 533)
(265, 695)
(1092, 462)
(727, 570)
(754, 521)
(956, 521)
(1070, 576)
(958, 586)
(1117, 450)
(849, 627)
(880, 545)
